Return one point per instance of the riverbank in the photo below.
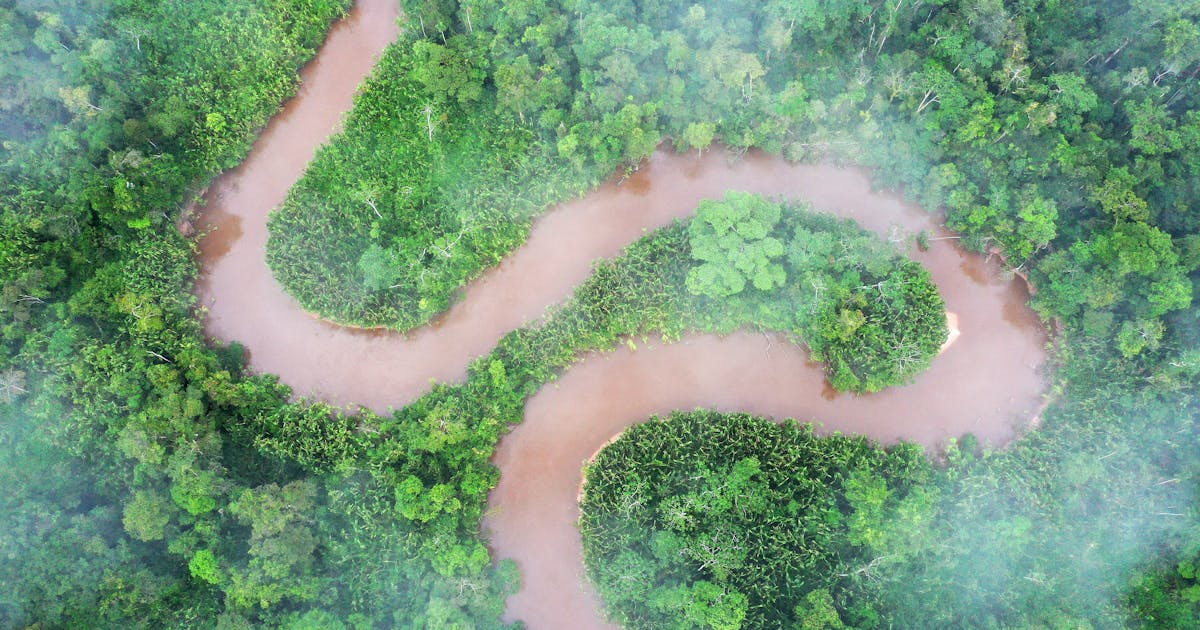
(994, 363)
(380, 369)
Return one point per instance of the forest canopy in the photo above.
(1002, 122)
(874, 317)
(1060, 135)
(707, 520)
(151, 481)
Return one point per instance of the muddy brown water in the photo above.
(987, 383)
(243, 301)
(380, 370)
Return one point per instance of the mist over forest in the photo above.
(154, 479)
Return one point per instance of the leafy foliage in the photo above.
(1062, 135)
(429, 184)
(733, 239)
(855, 536)
(751, 522)
(875, 318)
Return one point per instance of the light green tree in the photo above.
(732, 239)
(281, 545)
(818, 612)
(147, 515)
(378, 267)
(699, 135)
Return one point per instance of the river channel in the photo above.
(989, 382)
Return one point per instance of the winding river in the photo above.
(988, 382)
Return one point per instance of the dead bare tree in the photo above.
(12, 385)
(930, 98)
(866, 569)
(429, 121)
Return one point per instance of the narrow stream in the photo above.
(987, 383)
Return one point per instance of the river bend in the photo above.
(988, 382)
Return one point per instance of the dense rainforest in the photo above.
(725, 521)
(152, 482)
